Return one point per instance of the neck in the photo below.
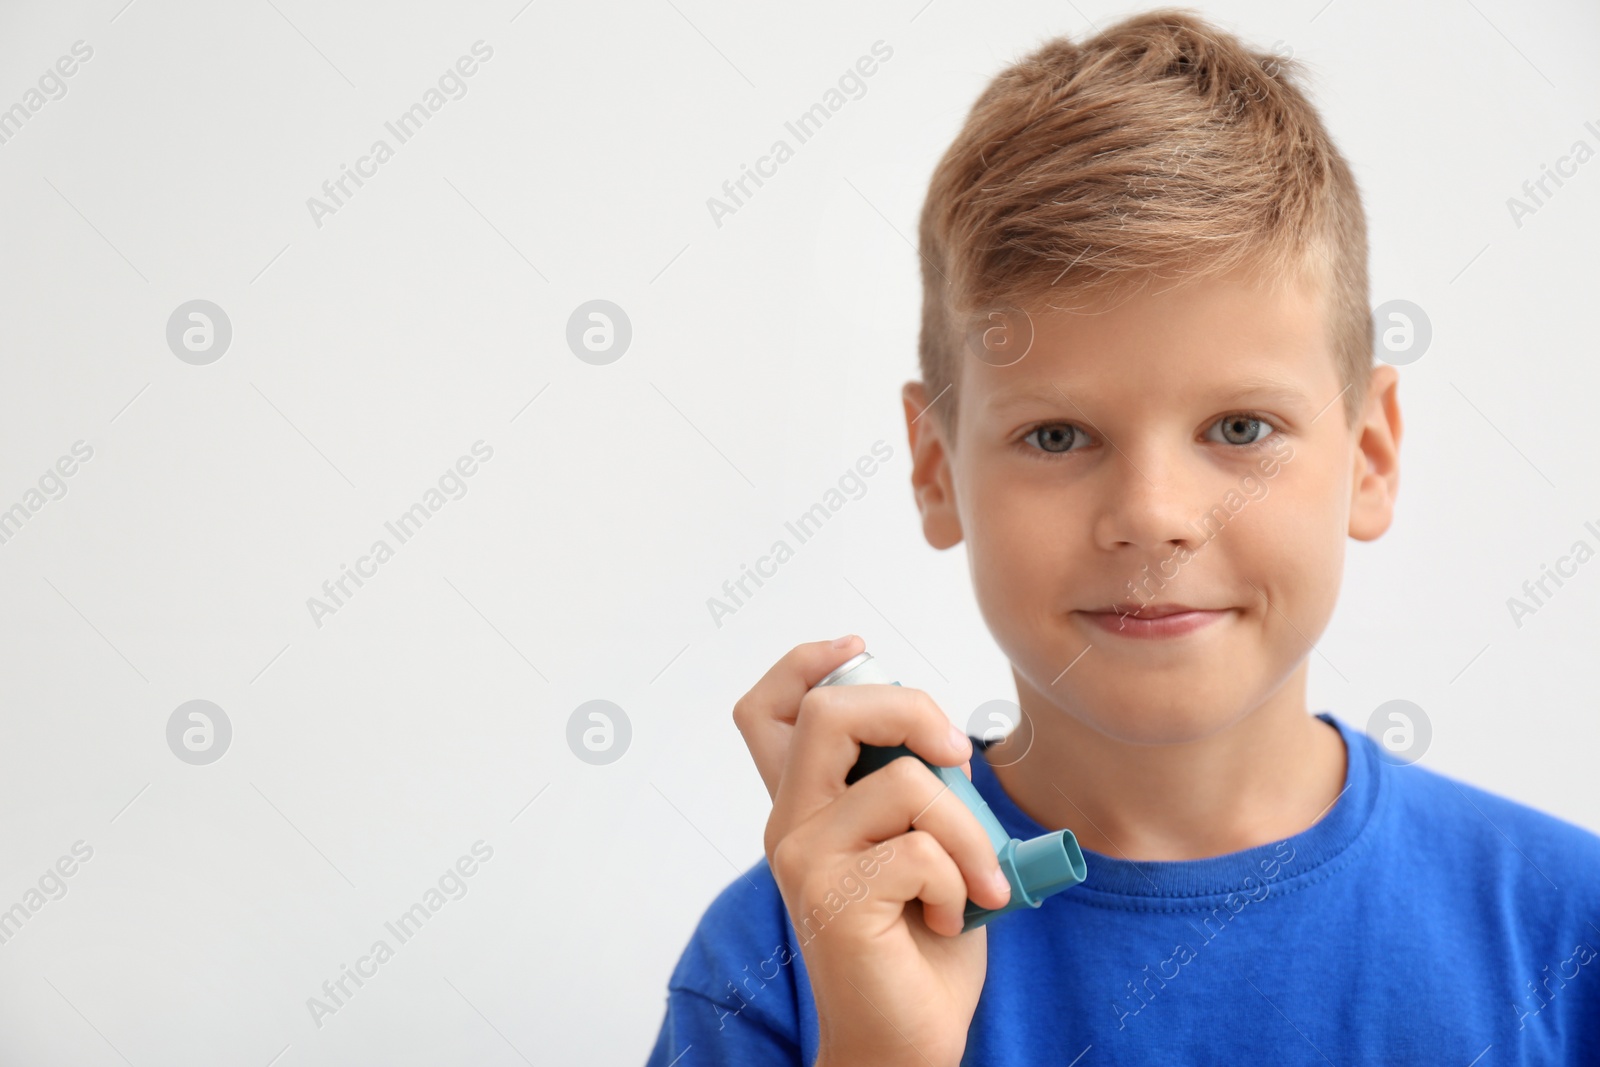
(1269, 775)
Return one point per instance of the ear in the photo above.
(1376, 478)
(931, 479)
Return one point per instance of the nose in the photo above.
(1146, 504)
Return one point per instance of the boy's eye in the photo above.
(1056, 437)
(1240, 430)
(1061, 437)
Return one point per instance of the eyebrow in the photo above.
(1011, 398)
(1251, 388)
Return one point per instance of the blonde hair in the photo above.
(1161, 148)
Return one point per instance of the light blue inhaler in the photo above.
(1036, 869)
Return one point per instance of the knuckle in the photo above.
(920, 711)
(937, 721)
(922, 848)
(786, 860)
(908, 773)
(914, 699)
(819, 708)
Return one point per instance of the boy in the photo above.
(1149, 408)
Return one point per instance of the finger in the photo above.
(766, 714)
(896, 799)
(908, 796)
(833, 723)
(919, 868)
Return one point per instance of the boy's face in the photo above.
(1186, 448)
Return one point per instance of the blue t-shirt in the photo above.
(1420, 920)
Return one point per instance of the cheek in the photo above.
(1019, 543)
(1016, 532)
(1291, 541)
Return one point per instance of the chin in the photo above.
(1156, 719)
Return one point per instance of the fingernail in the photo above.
(958, 739)
(845, 640)
(1000, 883)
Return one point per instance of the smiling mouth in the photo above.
(1154, 620)
(1150, 611)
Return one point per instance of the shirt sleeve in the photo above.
(699, 1032)
(739, 993)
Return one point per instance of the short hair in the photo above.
(1161, 148)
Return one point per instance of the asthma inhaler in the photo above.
(1036, 869)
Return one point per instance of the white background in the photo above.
(371, 752)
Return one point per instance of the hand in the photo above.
(875, 875)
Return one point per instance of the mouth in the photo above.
(1153, 620)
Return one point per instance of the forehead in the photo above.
(1223, 337)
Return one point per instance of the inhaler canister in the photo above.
(1036, 869)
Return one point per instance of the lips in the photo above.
(1151, 611)
(1154, 620)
